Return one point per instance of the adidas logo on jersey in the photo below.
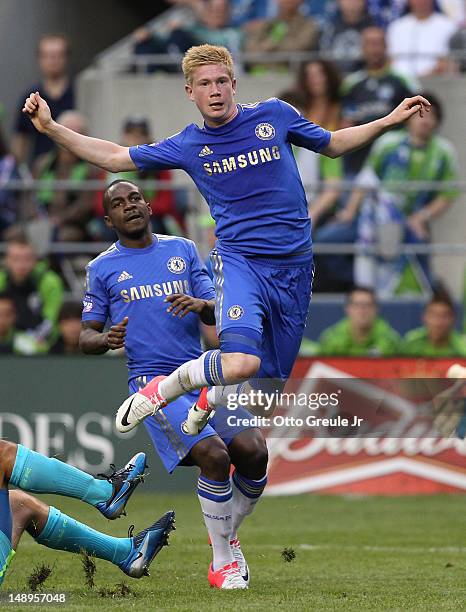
(124, 276)
(205, 151)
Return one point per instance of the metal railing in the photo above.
(290, 60)
(30, 184)
(73, 255)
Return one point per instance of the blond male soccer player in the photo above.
(242, 162)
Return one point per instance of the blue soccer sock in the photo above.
(65, 533)
(5, 514)
(39, 474)
(213, 368)
(246, 494)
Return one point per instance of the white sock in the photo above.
(216, 503)
(221, 395)
(205, 371)
(246, 494)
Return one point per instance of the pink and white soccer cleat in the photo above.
(238, 557)
(227, 577)
(145, 402)
(198, 415)
(240, 560)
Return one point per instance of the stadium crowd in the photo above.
(366, 56)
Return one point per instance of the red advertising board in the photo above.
(409, 464)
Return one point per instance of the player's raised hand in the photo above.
(116, 335)
(38, 111)
(181, 304)
(408, 108)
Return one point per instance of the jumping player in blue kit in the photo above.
(241, 161)
(153, 287)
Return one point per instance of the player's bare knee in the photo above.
(217, 462)
(28, 512)
(22, 505)
(239, 366)
(211, 455)
(249, 454)
(260, 456)
(256, 454)
(7, 456)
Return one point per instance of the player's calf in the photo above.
(238, 367)
(28, 513)
(36, 473)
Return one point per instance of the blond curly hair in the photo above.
(203, 55)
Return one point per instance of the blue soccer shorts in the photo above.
(261, 307)
(164, 427)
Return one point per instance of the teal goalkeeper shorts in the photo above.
(6, 555)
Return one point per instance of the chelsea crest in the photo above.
(265, 131)
(177, 265)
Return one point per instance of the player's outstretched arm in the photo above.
(107, 155)
(94, 341)
(348, 139)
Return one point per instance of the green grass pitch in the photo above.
(351, 554)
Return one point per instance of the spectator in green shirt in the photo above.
(13, 341)
(36, 290)
(437, 337)
(389, 217)
(362, 332)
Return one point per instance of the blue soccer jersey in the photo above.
(133, 283)
(247, 173)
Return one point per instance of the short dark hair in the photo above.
(20, 239)
(363, 289)
(70, 310)
(442, 298)
(105, 197)
(136, 122)
(435, 103)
